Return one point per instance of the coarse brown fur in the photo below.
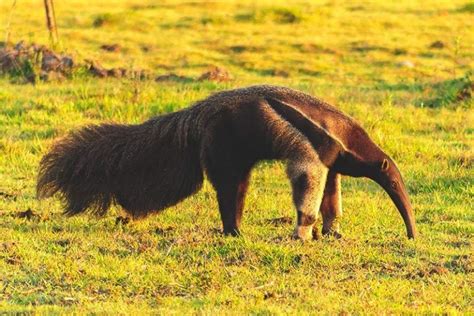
(147, 167)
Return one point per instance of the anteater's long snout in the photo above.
(401, 200)
(404, 207)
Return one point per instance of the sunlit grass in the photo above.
(373, 60)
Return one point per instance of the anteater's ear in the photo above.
(385, 164)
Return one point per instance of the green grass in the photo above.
(352, 55)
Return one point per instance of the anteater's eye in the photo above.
(394, 184)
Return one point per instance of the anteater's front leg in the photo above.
(331, 206)
(308, 177)
(241, 192)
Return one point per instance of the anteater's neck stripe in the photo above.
(328, 133)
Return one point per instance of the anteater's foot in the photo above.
(234, 232)
(303, 232)
(333, 233)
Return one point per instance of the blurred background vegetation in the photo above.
(402, 69)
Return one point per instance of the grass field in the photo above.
(371, 59)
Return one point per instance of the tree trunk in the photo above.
(51, 21)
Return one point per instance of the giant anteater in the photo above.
(147, 167)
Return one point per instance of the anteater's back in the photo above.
(154, 165)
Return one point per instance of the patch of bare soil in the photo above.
(29, 63)
(34, 61)
(216, 74)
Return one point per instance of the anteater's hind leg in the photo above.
(231, 190)
(331, 206)
(308, 177)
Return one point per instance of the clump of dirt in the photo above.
(173, 77)
(239, 49)
(96, 69)
(461, 263)
(31, 62)
(163, 231)
(7, 246)
(63, 242)
(363, 47)
(356, 8)
(449, 92)
(285, 15)
(465, 91)
(312, 48)
(105, 19)
(433, 271)
(437, 45)
(146, 48)
(279, 221)
(7, 196)
(216, 74)
(10, 254)
(278, 15)
(28, 214)
(276, 73)
(37, 62)
(121, 220)
(399, 51)
(114, 48)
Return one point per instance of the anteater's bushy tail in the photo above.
(144, 168)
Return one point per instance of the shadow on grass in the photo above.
(438, 94)
(467, 8)
(449, 92)
(456, 184)
(278, 15)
